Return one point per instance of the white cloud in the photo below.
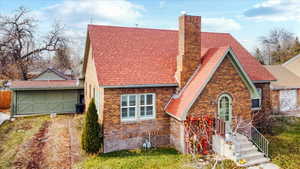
(75, 15)
(73, 12)
(275, 10)
(220, 25)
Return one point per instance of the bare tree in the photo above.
(18, 43)
(275, 47)
(62, 59)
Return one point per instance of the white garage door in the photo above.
(288, 100)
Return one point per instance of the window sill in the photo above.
(137, 120)
(256, 108)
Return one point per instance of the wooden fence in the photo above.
(5, 99)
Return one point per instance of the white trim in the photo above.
(245, 74)
(285, 88)
(142, 85)
(263, 81)
(230, 103)
(291, 60)
(137, 116)
(174, 116)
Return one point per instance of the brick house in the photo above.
(146, 82)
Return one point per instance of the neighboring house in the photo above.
(49, 92)
(285, 92)
(293, 65)
(146, 82)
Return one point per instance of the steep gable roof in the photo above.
(180, 104)
(60, 76)
(138, 56)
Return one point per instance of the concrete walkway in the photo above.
(265, 166)
(3, 117)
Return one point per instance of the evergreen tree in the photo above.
(90, 139)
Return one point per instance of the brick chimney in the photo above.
(188, 58)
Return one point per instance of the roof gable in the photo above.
(179, 106)
(51, 74)
(285, 78)
(291, 60)
(137, 56)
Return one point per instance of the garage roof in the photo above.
(285, 78)
(46, 85)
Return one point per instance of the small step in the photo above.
(246, 150)
(243, 144)
(255, 162)
(251, 156)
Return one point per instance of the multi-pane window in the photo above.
(137, 106)
(225, 107)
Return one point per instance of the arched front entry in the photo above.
(225, 111)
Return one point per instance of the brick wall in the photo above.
(130, 135)
(188, 58)
(177, 135)
(275, 101)
(225, 80)
(266, 104)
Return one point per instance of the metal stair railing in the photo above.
(258, 139)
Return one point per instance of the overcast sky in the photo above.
(244, 19)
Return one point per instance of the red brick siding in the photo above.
(226, 79)
(130, 135)
(275, 102)
(266, 103)
(188, 58)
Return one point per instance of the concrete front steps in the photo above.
(244, 149)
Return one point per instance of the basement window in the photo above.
(137, 107)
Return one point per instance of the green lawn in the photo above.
(14, 134)
(137, 159)
(162, 158)
(285, 143)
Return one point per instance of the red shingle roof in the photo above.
(139, 56)
(177, 106)
(44, 84)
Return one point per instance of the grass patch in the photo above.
(163, 158)
(285, 143)
(13, 134)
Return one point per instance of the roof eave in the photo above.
(140, 85)
(44, 88)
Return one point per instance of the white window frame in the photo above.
(260, 92)
(229, 108)
(137, 107)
